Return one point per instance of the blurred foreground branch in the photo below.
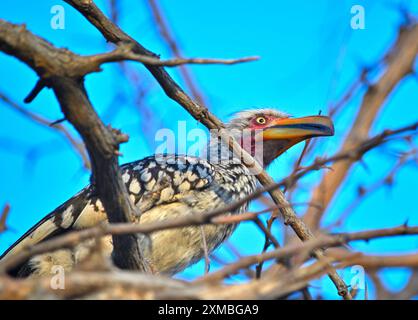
(400, 61)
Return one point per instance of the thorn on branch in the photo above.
(57, 122)
(389, 180)
(3, 217)
(363, 74)
(119, 135)
(40, 84)
(408, 139)
(371, 88)
(361, 191)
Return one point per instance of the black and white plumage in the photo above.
(164, 187)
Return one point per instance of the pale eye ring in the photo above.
(261, 120)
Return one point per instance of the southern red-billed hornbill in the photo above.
(175, 185)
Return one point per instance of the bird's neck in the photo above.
(219, 152)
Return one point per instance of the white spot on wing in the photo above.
(177, 178)
(181, 166)
(89, 217)
(150, 185)
(166, 194)
(201, 183)
(134, 187)
(191, 176)
(202, 172)
(192, 160)
(125, 177)
(151, 165)
(146, 176)
(67, 217)
(138, 167)
(171, 161)
(184, 186)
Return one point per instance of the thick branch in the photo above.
(123, 284)
(62, 68)
(79, 284)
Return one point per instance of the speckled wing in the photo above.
(163, 179)
(151, 182)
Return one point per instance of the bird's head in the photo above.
(276, 131)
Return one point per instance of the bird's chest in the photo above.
(173, 250)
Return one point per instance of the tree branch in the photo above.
(114, 34)
(63, 71)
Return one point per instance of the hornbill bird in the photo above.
(177, 186)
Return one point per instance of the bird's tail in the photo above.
(55, 223)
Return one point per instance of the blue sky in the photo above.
(309, 56)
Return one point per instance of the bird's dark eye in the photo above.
(261, 120)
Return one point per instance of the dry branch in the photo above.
(123, 53)
(134, 285)
(400, 61)
(117, 284)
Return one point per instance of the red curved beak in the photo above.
(290, 131)
(299, 128)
